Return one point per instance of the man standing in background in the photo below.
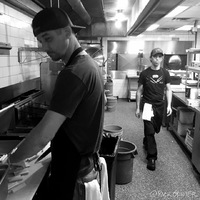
(153, 83)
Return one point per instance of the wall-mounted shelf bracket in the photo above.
(23, 59)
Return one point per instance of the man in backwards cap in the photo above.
(152, 84)
(73, 123)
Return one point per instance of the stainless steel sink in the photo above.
(4, 168)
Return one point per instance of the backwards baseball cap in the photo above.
(156, 51)
(52, 19)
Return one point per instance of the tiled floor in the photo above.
(174, 177)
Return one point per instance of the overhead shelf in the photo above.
(193, 50)
(194, 69)
(36, 49)
(5, 46)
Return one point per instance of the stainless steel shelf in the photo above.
(194, 69)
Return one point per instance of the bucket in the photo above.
(185, 115)
(111, 103)
(109, 87)
(125, 156)
(113, 130)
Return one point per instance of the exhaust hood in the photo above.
(153, 11)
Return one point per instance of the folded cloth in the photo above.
(94, 190)
(104, 180)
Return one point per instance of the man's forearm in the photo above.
(138, 98)
(169, 97)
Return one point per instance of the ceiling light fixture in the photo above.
(186, 28)
(176, 11)
(120, 16)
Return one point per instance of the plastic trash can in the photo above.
(125, 156)
(108, 151)
(112, 130)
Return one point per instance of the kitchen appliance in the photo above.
(28, 110)
(191, 92)
(6, 115)
(175, 61)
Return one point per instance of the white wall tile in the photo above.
(1, 8)
(4, 61)
(5, 81)
(14, 61)
(11, 71)
(3, 38)
(5, 71)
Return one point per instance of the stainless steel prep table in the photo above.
(179, 98)
(32, 180)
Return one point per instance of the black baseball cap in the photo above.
(156, 51)
(52, 19)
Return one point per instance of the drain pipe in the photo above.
(78, 7)
(195, 32)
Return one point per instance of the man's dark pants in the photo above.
(152, 127)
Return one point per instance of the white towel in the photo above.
(104, 180)
(92, 188)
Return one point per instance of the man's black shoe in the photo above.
(151, 164)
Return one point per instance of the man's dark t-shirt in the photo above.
(154, 82)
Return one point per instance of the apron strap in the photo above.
(74, 54)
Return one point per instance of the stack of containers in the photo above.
(185, 120)
(189, 138)
(111, 103)
(111, 100)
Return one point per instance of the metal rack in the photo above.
(24, 60)
(189, 67)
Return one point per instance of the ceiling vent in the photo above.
(154, 11)
(181, 19)
(26, 6)
(165, 29)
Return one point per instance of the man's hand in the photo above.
(137, 113)
(169, 111)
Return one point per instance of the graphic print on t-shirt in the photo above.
(155, 79)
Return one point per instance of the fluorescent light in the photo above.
(120, 16)
(152, 27)
(176, 11)
(186, 28)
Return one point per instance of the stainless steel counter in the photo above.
(180, 97)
